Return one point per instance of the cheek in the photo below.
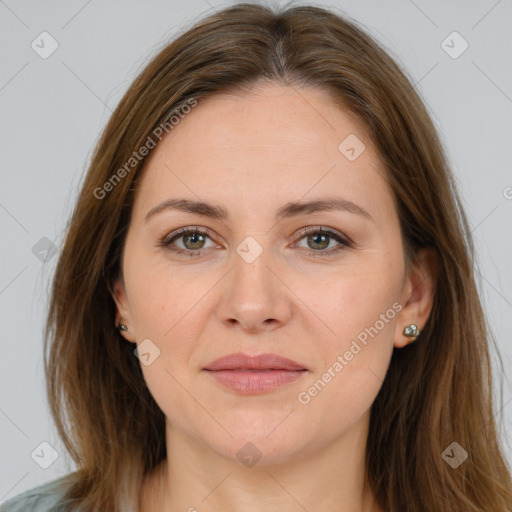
(339, 398)
(366, 312)
(360, 311)
(355, 300)
(163, 299)
(168, 312)
(355, 362)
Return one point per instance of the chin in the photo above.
(262, 439)
(253, 451)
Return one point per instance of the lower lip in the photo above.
(250, 382)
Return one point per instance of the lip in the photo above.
(254, 374)
(240, 361)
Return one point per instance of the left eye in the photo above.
(319, 237)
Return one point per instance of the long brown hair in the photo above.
(437, 391)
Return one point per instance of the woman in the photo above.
(266, 298)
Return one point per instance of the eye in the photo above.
(193, 241)
(319, 239)
(192, 238)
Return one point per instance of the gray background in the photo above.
(53, 109)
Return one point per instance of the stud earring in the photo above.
(121, 327)
(411, 331)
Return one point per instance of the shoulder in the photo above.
(44, 498)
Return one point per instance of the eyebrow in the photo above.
(289, 210)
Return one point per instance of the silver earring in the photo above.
(122, 327)
(411, 331)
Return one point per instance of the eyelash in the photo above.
(167, 240)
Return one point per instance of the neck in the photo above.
(194, 478)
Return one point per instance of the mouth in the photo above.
(254, 374)
(240, 361)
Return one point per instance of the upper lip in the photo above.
(240, 361)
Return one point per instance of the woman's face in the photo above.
(255, 283)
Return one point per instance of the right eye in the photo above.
(191, 236)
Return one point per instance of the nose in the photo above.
(254, 295)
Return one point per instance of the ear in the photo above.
(123, 315)
(417, 294)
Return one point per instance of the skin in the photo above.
(252, 153)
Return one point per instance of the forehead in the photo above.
(272, 144)
(270, 117)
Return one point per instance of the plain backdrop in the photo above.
(53, 110)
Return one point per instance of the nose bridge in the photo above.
(253, 295)
(252, 279)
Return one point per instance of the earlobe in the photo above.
(417, 297)
(122, 319)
